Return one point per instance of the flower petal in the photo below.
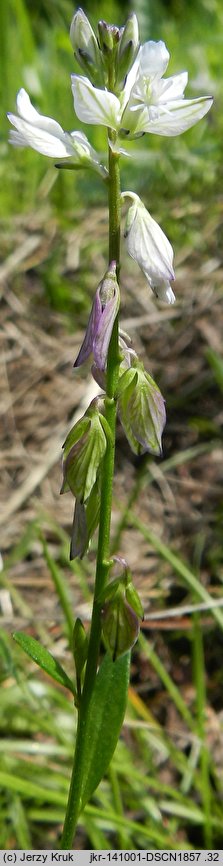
(175, 117)
(164, 292)
(93, 105)
(27, 111)
(103, 313)
(92, 328)
(40, 139)
(153, 59)
(104, 332)
(170, 88)
(130, 81)
(148, 245)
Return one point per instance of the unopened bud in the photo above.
(84, 450)
(100, 325)
(127, 50)
(141, 409)
(80, 646)
(121, 610)
(120, 625)
(85, 45)
(85, 522)
(108, 36)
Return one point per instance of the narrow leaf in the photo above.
(44, 659)
(216, 363)
(105, 718)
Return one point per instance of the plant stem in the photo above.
(103, 553)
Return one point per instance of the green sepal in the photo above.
(44, 659)
(110, 591)
(76, 433)
(128, 381)
(83, 458)
(143, 413)
(134, 600)
(126, 387)
(141, 410)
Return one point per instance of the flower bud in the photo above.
(85, 45)
(84, 450)
(127, 50)
(85, 522)
(103, 314)
(141, 410)
(121, 610)
(120, 625)
(80, 646)
(108, 36)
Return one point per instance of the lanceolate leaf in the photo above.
(44, 659)
(104, 722)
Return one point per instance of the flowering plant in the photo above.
(123, 88)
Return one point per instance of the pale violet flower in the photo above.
(100, 325)
(149, 247)
(148, 102)
(47, 136)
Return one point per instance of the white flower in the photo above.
(148, 103)
(47, 136)
(149, 247)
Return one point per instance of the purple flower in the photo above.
(103, 314)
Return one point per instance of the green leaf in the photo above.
(44, 659)
(105, 717)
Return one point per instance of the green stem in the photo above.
(103, 553)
